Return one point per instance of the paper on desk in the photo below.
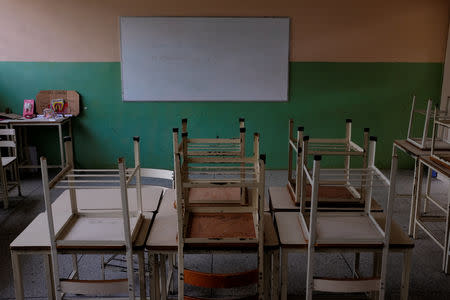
(59, 117)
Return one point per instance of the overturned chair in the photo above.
(220, 206)
(103, 230)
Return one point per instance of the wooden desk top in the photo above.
(36, 237)
(94, 199)
(163, 234)
(167, 206)
(291, 233)
(330, 199)
(414, 151)
(438, 167)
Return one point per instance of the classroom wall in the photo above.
(349, 59)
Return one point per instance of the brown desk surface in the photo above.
(330, 199)
(168, 203)
(291, 233)
(439, 167)
(413, 150)
(163, 234)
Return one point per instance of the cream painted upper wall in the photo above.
(321, 30)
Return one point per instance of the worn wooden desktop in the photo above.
(22, 136)
(162, 245)
(35, 238)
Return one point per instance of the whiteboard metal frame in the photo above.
(206, 17)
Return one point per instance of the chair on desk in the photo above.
(345, 197)
(220, 205)
(424, 141)
(159, 175)
(11, 162)
(347, 231)
(98, 230)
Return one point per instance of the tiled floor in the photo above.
(427, 279)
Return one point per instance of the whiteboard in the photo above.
(204, 59)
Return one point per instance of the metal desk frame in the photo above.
(46, 123)
(420, 218)
(415, 153)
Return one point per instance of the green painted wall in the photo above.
(322, 96)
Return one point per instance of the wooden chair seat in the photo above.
(332, 198)
(224, 281)
(215, 195)
(218, 226)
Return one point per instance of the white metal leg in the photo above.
(418, 198)
(152, 275)
(17, 275)
(356, 261)
(75, 266)
(284, 274)
(142, 286)
(267, 273)
(276, 275)
(49, 276)
(413, 198)
(162, 266)
(61, 146)
(446, 262)
(427, 190)
(405, 274)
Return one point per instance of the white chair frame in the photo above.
(72, 179)
(372, 175)
(425, 141)
(303, 146)
(218, 163)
